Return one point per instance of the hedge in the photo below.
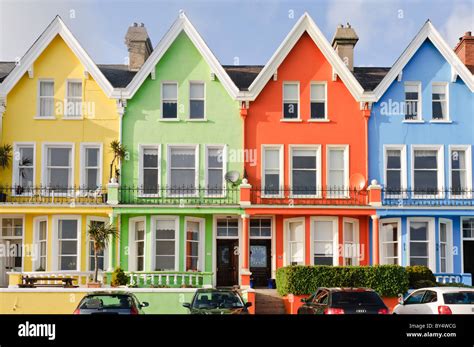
(420, 276)
(386, 280)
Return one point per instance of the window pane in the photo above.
(394, 159)
(150, 157)
(336, 179)
(290, 110)
(150, 181)
(304, 159)
(411, 89)
(74, 89)
(272, 159)
(196, 91)
(170, 91)
(68, 263)
(438, 90)
(419, 231)
(164, 263)
(92, 157)
(165, 229)
(170, 109)
(290, 92)
(394, 180)
(196, 109)
(304, 182)
(425, 159)
(59, 156)
(318, 92)
(323, 230)
(182, 178)
(183, 157)
(318, 110)
(426, 181)
(58, 178)
(92, 177)
(68, 229)
(215, 179)
(215, 158)
(336, 159)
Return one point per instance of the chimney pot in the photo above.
(139, 46)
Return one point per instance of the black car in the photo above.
(217, 301)
(343, 301)
(110, 303)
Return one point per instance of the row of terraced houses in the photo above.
(231, 172)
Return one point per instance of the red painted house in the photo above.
(306, 119)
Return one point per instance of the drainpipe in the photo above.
(3, 107)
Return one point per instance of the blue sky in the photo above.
(248, 30)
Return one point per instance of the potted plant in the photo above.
(119, 278)
(99, 234)
(119, 152)
(5, 160)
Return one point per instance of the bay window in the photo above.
(295, 242)
(68, 238)
(193, 256)
(390, 242)
(421, 242)
(325, 250)
(166, 251)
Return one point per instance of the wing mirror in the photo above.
(248, 304)
(187, 305)
(144, 304)
(400, 300)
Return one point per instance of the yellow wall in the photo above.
(23, 302)
(58, 62)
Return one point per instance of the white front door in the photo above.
(11, 260)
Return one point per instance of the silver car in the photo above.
(110, 303)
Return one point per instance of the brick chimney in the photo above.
(465, 50)
(344, 42)
(139, 46)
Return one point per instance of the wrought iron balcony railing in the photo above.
(52, 195)
(308, 196)
(179, 196)
(427, 197)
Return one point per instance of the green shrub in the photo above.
(386, 280)
(119, 278)
(423, 284)
(419, 273)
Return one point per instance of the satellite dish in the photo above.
(357, 181)
(232, 177)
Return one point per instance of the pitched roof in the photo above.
(118, 74)
(182, 24)
(428, 31)
(370, 77)
(243, 75)
(5, 68)
(56, 27)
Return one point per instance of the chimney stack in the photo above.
(344, 42)
(139, 46)
(465, 50)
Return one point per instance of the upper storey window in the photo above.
(73, 107)
(196, 100)
(169, 97)
(291, 97)
(318, 101)
(46, 99)
(440, 101)
(412, 101)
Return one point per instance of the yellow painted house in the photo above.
(58, 113)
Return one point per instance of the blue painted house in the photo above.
(421, 134)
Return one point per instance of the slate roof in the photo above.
(5, 68)
(243, 75)
(370, 77)
(118, 75)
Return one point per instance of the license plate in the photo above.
(361, 311)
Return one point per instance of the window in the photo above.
(429, 296)
(325, 239)
(100, 254)
(415, 298)
(412, 101)
(139, 245)
(425, 172)
(351, 242)
(12, 228)
(228, 227)
(304, 171)
(23, 167)
(193, 246)
(318, 101)
(46, 99)
(183, 172)
(165, 244)
(419, 238)
(390, 243)
(169, 107)
(215, 170)
(296, 244)
(73, 99)
(196, 100)
(439, 101)
(150, 170)
(41, 232)
(445, 246)
(68, 240)
(468, 228)
(460, 162)
(260, 228)
(91, 161)
(59, 167)
(337, 172)
(291, 96)
(272, 178)
(393, 171)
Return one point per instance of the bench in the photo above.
(31, 282)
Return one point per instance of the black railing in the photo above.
(308, 196)
(428, 197)
(52, 195)
(179, 196)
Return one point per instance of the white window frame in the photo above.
(132, 260)
(316, 148)
(16, 166)
(67, 99)
(106, 221)
(280, 148)
(326, 117)
(440, 170)
(169, 147)
(83, 174)
(202, 239)
(463, 238)
(298, 119)
(335, 233)
(403, 168)
(431, 240)
(355, 243)
(419, 116)
(141, 150)
(154, 222)
(22, 237)
(468, 154)
(224, 168)
(37, 240)
(286, 239)
(345, 190)
(383, 256)
(449, 244)
(262, 237)
(174, 100)
(44, 164)
(197, 99)
(446, 90)
(55, 238)
(38, 106)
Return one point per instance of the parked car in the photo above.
(437, 300)
(217, 301)
(110, 303)
(343, 301)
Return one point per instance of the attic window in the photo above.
(169, 109)
(46, 99)
(291, 98)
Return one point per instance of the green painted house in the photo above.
(182, 128)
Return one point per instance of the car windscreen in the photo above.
(107, 302)
(356, 298)
(213, 300)
(459, 298)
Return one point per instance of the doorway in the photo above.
(11, 242)
(468, 256)
(260, 261)
(227, 262)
